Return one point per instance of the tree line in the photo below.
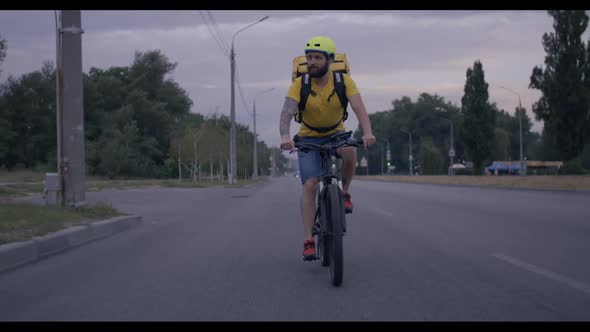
(138, 121)
(483, 132)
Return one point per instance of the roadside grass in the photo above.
(23, 189)
(546, 182)
(23, 221)
(20, 190)
(21, 175)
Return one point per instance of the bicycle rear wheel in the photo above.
(335, 209)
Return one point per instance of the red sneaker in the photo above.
(347, 203)
(309, 250)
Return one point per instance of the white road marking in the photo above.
(546, 273)
(389, 214)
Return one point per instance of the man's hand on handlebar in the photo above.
(287, 143)
(368, 140)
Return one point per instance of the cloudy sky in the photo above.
(392, 53)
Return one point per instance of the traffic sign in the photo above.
(451, 152)
(364, 162)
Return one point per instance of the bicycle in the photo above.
(330, 222)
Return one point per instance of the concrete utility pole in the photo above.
(70, 111)
(232, 131)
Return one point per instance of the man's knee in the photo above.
(310, 186)
(348, 155)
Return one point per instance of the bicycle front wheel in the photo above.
(322, 238)
(335, 209)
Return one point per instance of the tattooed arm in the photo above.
(289, 109)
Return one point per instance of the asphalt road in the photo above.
(412, 253)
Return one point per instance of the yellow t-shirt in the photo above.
(319, 112)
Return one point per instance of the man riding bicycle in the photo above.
(322, 116)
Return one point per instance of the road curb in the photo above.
(13, 255)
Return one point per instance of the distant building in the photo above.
(512, 167)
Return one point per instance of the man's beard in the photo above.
(320, 71)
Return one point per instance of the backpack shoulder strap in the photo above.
(304, 94)
(340, 88)
(305, 90)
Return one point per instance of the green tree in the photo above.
(7, 135)
(586, 156)
(112, 153)
(534, 145)
(148, 72)
(203, 145)
(135, 116)
(565, 83)
(478, 118)
(104, 95)
(140, 94)
(501, 149)
(510, 125)
(429, 116)
(2, 51)
(281, 161)
(430, 159)
(215, 145)
(27, 118)
(527, 138)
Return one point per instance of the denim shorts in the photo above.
(310, 163)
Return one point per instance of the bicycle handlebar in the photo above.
(338, 141)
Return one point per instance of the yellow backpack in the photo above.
(340, 64)
(338, 67)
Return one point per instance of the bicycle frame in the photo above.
(334, 172)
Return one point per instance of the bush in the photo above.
(573, 166)
(169, 170)
(45, 168)
(586, 157)
(464, 171)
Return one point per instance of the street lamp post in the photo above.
(410, 157)
(522, 170)
(385, 156)
(255, 157)
(382, 157)
(388, 156)
(232, 131)
(452, 149)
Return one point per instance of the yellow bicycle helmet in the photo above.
(321, 44)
